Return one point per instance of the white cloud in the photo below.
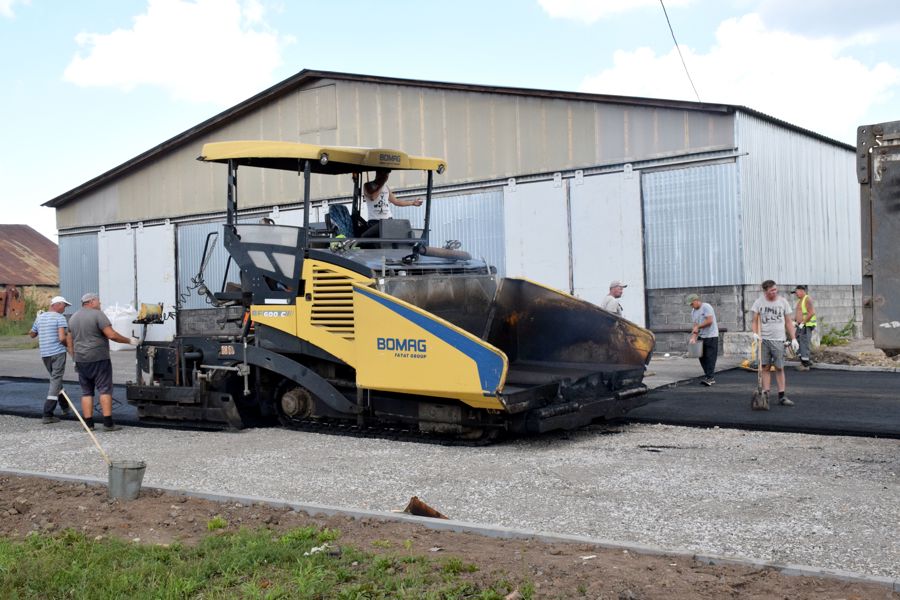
(6, 7)
(217, 51)
(808, 82)
(590, 11)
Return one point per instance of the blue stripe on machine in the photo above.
(489, 364)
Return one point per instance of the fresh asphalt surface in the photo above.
(826, 402)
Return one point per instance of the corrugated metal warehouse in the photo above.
(572, 190)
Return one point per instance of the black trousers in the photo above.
(710, 354)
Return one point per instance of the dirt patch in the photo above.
(556, 570)
(861, 352)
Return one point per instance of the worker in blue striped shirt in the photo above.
(52, 332)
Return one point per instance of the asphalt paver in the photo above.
(858, 403)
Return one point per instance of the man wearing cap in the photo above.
(91, 333)
(611, 302)
(51, 330)
(805, 320)
(706, 330)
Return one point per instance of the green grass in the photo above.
(217, 522)
(246, 564)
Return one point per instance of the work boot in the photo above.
(49, 420)
(785, 401)
(112, 427)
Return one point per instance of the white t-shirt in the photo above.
(379, 207)
(771, 317)
(612, 304)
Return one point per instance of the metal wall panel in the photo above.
(78, 267)
(606, 239)
(537, 233)
(475, 219)
(800, 207)
(115, 256)
(692, 227)
(155, 254)
(483, 136)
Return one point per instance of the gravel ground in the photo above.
(821, 501)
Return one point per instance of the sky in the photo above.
(88, 85)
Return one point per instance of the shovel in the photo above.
(759, 400)
(86, 428)
(125, 476)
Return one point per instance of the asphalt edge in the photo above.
(313, 509)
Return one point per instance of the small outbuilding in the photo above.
(28, 264)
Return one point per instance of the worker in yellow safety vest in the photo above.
(805, 320)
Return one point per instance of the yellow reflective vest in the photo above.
(812, 321)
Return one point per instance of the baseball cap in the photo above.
(799, 287)
(616, 283)
(692, 297)
(89, 296)
(56, 299)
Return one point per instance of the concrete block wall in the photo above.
(669, 316)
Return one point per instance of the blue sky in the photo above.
(88, 85)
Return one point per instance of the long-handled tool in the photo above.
(125, 476)
(759, 400)
(86, 428)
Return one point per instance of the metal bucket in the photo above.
(695, 350)
(125, 478)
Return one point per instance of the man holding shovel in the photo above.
(91, 333)
(771, 317)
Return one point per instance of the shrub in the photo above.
(838, 337)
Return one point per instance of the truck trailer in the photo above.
(878, 172)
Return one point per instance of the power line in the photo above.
(679, 50)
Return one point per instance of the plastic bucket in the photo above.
(125, 478)
(695, 350)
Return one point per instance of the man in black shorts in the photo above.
(91, 333)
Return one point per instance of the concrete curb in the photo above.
(493, 531)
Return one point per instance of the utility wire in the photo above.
(679, 50)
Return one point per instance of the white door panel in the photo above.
(537, 233)
(115, 258)
(607, 241)
(156, 275)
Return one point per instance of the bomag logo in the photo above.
(403, 348)
(387, 157)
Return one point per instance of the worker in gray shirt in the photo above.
(611, 302)
(91, 333)
(706, 330)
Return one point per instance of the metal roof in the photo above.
(307, 76)
(27, 257)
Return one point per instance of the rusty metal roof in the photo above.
(27, 257)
